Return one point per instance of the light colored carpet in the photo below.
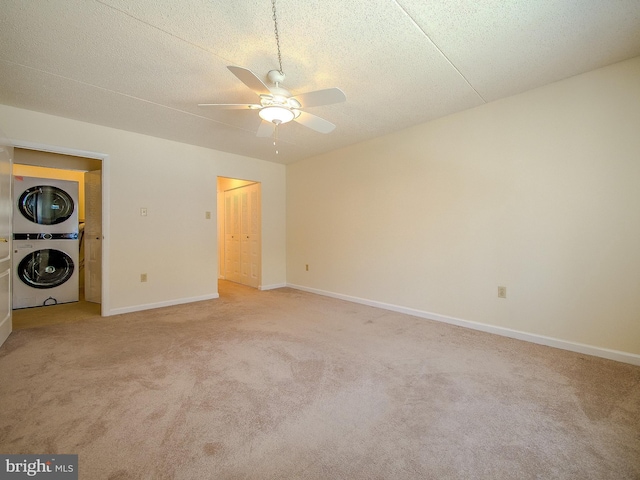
(288, 385)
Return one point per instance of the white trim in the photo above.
(616, 355)
(168, 303)
(57, 149)
(272, 287)
(105, 309)
(6, 327)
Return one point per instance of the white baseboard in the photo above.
(168, 303)
(616, 355)
(272, 287)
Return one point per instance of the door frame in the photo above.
(221, 221)
(105, 309)
(6, 323)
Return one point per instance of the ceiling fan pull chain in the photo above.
(275, 136)
(275, 23)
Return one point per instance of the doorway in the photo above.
(240, 231)
(87, 174)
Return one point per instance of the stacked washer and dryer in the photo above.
(45, 242)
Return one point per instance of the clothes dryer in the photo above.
(45, 272)
(43, 205)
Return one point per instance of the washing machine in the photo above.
(43, 205)
(45, 271)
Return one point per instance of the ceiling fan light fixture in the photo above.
(277, 115)
(293, 103)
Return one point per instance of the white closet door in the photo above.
(242, 235)
(255, 237)
(232, 236)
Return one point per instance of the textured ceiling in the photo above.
(144, 65)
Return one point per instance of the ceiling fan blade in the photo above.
(266, 129)
(327, 96)
(250, 79)
(231, 106)
(315, 123)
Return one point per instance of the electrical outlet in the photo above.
(502, 292)
(143, 211)
(143, 277)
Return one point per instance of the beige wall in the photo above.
(539, 192)
(175, 244)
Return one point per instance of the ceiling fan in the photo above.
(278, 106)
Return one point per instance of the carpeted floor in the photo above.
(289, 385)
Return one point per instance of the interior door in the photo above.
(93, 236)
(232, 236)
(250, 238)
(6, 210)
(242, 235)
(255, 231)
(245, 268)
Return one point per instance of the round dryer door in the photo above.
(46, 205)
(47, 268)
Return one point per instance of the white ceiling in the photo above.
(144, 65)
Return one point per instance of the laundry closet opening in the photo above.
(57, 229)
(239, 231)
